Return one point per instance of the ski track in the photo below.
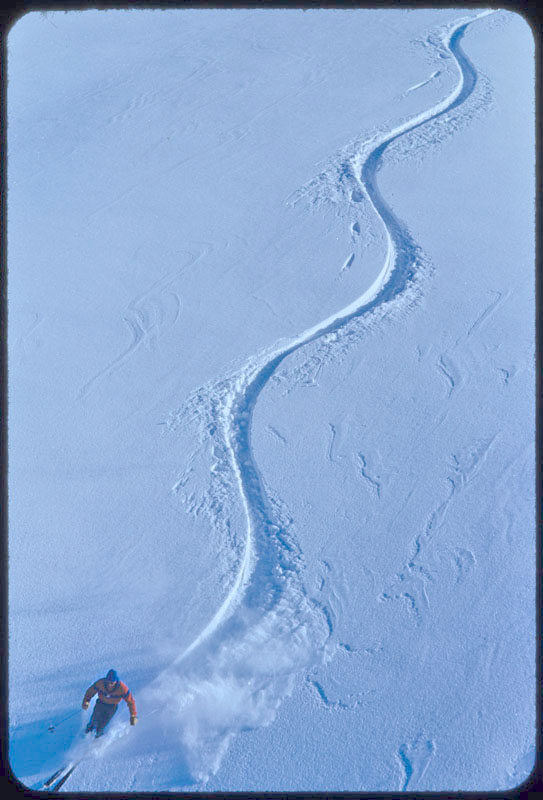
(268, 630)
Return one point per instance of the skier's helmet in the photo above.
(112, 676)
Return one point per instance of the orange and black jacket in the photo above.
(119, 692)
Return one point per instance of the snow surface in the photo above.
(271, 381)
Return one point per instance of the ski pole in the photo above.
(52, 728)
(150, 712)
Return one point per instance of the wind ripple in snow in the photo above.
(146, 314)
(268, 629)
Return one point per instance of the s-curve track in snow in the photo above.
(267, 627)
(235, 396)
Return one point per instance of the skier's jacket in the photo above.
(119, 692)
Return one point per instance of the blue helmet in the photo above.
(112, 676)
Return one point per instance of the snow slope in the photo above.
(211, 214)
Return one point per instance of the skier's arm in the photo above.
(89, 694)
(131, 703)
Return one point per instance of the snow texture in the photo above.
(212, 212)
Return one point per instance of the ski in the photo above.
(50, 780)
(64, 778)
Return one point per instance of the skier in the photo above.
(111, 691)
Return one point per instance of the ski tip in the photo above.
(50, 780)
(63, 780)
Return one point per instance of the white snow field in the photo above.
(271, 397)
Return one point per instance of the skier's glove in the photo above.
(85, 704)
(133, 720)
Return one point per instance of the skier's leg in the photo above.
(107, 713)
(96, 715)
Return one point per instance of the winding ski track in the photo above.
(268, 629)
(270, 560)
